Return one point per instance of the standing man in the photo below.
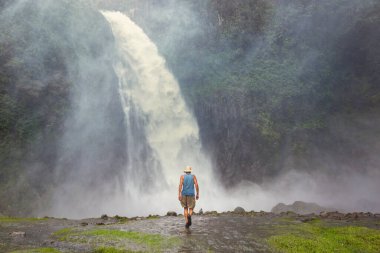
(186, 193)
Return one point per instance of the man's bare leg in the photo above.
(189, 217)
(185, 214)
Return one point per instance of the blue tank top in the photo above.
(188, 185)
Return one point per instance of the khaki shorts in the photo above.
(188, 202)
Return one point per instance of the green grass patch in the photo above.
(6, 219)
(112, 250)
(102, 238)
(38, 250)
(150, 240)
(314, 238)
(63, 234)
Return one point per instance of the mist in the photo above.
(127, 127)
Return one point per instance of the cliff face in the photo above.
(54, 55)
(270, 81)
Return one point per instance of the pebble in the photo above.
(18, 233)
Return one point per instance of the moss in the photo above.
(316, 238)
(103, 237)
(38, 250)
(111, 250)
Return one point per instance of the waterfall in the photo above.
(155, 114)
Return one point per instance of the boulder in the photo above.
(300, 207)
(171, 213)
(239, 210)
(200, 212)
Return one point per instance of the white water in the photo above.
(151, 94)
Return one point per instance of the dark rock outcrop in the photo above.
(171, 213)
(239, 210)
(300, 207)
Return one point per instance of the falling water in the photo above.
(155, 114)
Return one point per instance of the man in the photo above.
(186, 193)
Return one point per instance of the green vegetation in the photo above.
(38, 250)
(111, 250)
(15, 220)
(121, 219)
(103, 237)
(316, 238)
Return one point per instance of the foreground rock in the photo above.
(301, 207)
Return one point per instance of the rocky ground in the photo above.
(211, 232)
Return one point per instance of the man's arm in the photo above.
(196, 186)
(180, 188)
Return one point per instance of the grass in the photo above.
(38, 250)
(101, 238)
(316, 238)
(63, 234)
(111, 250)
(6, 219)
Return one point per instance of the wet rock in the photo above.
(171, 213)
(200, 212)
(300, 207)
(334, 215)
(18, 234)
(45, 243)
(323, 214)
(239, 210)
(100, 224)
(83, 224)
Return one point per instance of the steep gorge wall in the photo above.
(270, 80)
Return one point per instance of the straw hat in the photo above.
(188, 169)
